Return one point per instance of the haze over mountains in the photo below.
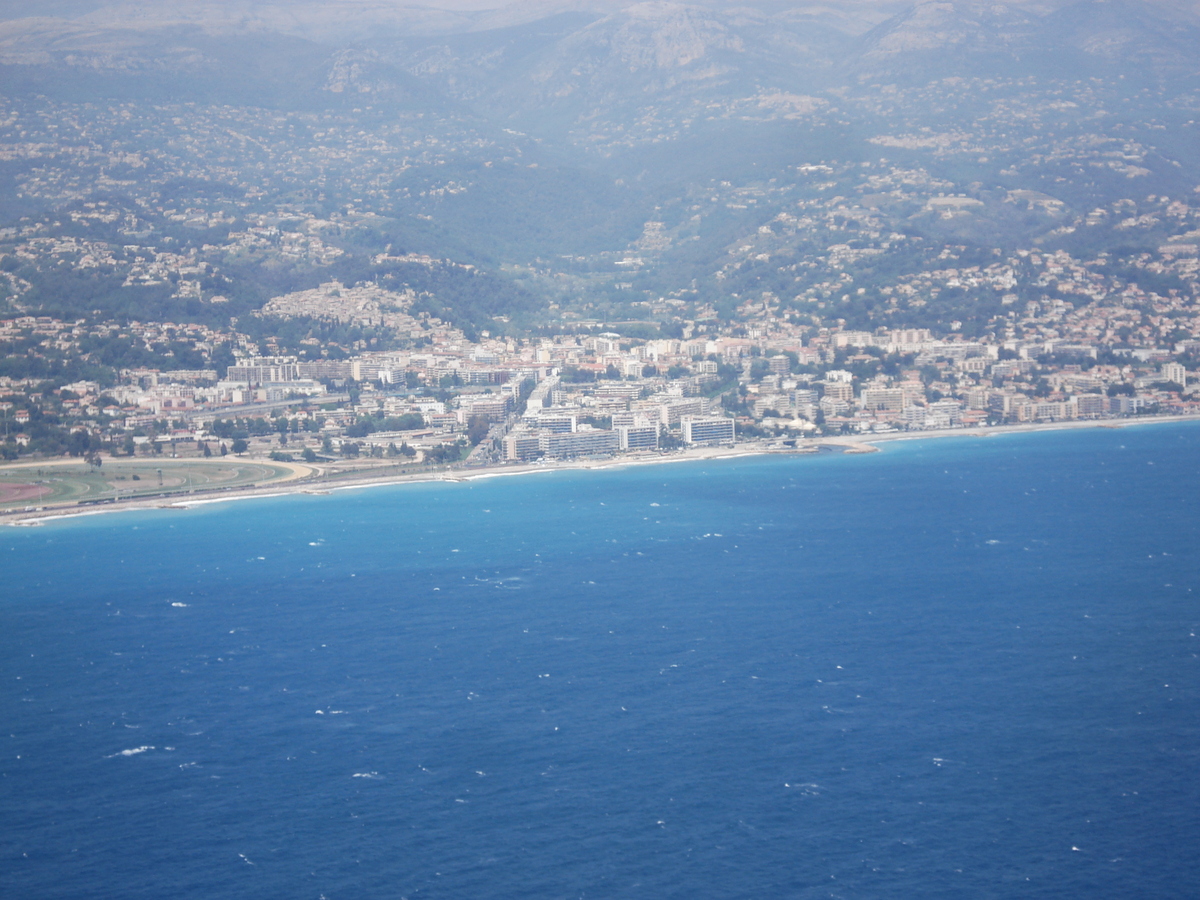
(580, 52)
(555, 140)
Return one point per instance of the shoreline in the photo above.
(298, 483)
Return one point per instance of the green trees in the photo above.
(362, 427)
(365, 425)
(78, 443)
(574, 375)
(477, 429)
(446, 453)
(668, 440)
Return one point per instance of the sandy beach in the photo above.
(316, 479)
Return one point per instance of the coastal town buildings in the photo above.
(564, 397)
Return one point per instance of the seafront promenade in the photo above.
(33, 492)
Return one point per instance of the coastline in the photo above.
(311, 480)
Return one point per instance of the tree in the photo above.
(477, 429)
(224, 449)
(207, 452)
(78, 443)
(238, 446)
(308, 455)
(667, 440)
(574, 375)
(445, 453)
(363, 426)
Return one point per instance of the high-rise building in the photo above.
(585, 442)
(707, 430)
(637, 437)
(1173, 371)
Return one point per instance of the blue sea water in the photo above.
(955, 668)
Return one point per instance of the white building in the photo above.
(1173, 371)
(707, 430)
(637, 437)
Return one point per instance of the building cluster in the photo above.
(575, 396)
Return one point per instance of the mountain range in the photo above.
(565, 62)
(616, 151)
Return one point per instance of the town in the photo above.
(499, 400)
(189, 280)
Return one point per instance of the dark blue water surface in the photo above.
(960, 668)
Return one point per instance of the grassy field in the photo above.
(59, 482)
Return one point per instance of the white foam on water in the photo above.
(132, 752)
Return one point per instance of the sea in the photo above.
(955, 668)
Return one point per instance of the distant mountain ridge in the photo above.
(601, 77)
(577, 56)
(958, 34)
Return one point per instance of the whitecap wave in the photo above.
(132, 752)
